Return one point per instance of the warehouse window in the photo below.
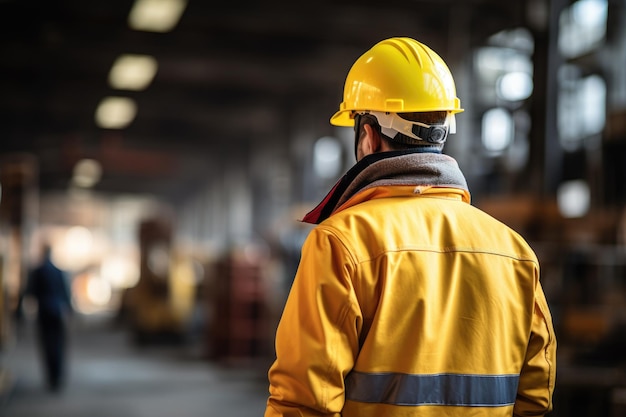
(497, 130)
(582, 27)
(573, 198)
(581, 111)
(327, 157)
(504, 71)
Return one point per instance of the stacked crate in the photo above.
(239, 324)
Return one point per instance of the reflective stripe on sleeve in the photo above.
(437, 389)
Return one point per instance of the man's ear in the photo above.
(371, 140)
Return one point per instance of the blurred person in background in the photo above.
(408, 300)
(48, 286)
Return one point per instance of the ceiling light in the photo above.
(132, 72)
(115, 112)
(156, 15)
(87, 173)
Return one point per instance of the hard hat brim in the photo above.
(342, 118)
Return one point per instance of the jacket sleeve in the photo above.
(317, 337)
(537, 379)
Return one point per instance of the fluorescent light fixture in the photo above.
(132, 72)
(115, 112)
(156, 15)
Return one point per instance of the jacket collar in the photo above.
(406, 167)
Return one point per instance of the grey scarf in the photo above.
(391, 168)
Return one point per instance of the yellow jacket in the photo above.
(409, 301)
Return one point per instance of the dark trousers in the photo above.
(52, 337)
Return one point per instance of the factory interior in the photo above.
(167, 150)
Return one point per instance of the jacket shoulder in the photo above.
(443, 224)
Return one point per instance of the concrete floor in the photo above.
(109, 376)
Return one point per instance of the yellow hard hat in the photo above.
(398, 75)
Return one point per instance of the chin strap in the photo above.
(391, 124)
(357, 130)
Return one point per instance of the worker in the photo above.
(48, 285)
(408, 300)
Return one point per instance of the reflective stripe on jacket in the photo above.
(409, 301)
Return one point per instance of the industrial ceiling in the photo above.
(228, 73)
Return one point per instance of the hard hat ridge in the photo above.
(407, 48)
